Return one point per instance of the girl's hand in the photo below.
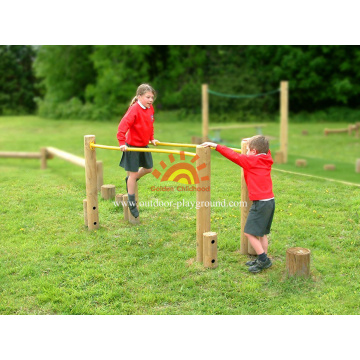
(154, 142)
(123, 147)
(209, 144)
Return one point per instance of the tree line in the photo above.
(98, 81)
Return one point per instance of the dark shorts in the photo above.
(133, 160)
(260, 218)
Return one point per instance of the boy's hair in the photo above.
(260, 143)
(141, 90)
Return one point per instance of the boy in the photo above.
(257, 168)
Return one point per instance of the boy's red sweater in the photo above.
(137, 126)
(257, 170)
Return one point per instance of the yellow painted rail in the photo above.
(178, 152)
(188, 145)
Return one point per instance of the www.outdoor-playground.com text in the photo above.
(184, 203)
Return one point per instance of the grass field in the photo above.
(51, 264)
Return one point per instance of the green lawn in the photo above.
(51, 264)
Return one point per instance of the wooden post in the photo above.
(301, 163)
(357, 166)
(357, 127)
(284, 112)
(245, 246)
(108, 192)
(43, 153)
(85, 212)
(126, 207)
(100, 174)
(205, 112)
(119, 200)
(210, 250)
(330, 167)
(91, 183)
(298, 261)
(203, 198)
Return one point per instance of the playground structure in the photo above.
(47, 153)
(206, 249)
(281, 156)
(348, 130)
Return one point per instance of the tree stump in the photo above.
(210, 249)
(119, 200)
(301, 163)
(298, 261)
(108, 192)
(126, 207)
(329, 167)
(357, 166)
(279, 157)
(305, 132)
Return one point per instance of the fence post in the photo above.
(203, 198)
(205, 112)
(91, 183)
(284, 113)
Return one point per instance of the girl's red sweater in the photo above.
(257, 169)
(137, 126)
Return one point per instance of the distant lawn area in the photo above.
(51, 264)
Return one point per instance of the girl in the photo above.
(136, 129)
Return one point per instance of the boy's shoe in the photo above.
(251, 263)
(260, 265)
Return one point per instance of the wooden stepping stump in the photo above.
(301, 163)
(210, 250)
(298, 262)
(329, 167)
(108, 192)
(357, 166)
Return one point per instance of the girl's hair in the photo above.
(141, 90)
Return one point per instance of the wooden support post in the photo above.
(108, 192)
(357, 166)
(357, 127)
(91, 183)
(279, 157)
(100, 174)
(298, 261)
(205, 112)
(126, 208)
(85, 212)
(43, 153)
(210, 250)
(245, 246)
(203, 198)
(119, 200)
(284, 113)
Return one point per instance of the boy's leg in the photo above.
(255, 243)
(263, 262)
(264, 243)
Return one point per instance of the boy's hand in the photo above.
(209, 144)
(154, 142)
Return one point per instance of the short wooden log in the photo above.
(85, 212)
(298, 262)
(125, 207)
(301, 163)
(108, 192)
(305, 132)
(210, 250)
(357, 166)
(329, 167)
(119, 198)
(279, 157)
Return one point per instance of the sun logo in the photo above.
(183, 172)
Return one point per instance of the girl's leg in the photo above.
(255, 243)
(143, 172)
(264, 243)
(133, 176)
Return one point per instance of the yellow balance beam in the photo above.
(178, 152)
(189, 145)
